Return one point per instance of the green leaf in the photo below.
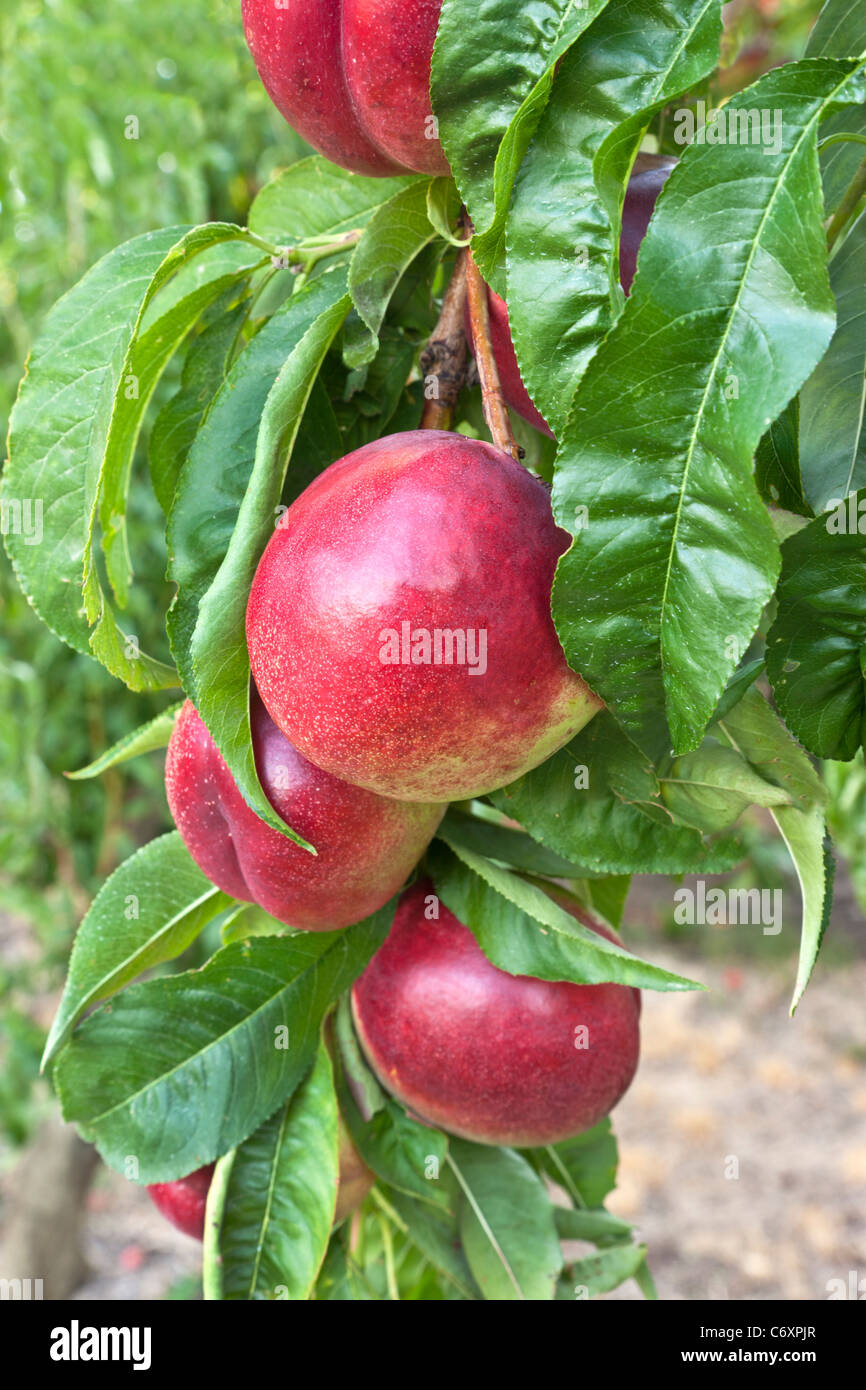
(662, 591)
(585, 1165)
(840, 32)
(436, 1233)
(365, 1089)
(608, 895)
(509, 846)
(282, 1195)
(443, 210)
(778, 475)
(205, 368)
(759, 735)
(149, 911)
(397, 233)
(506, 1224)
(596, 1225)
(225, 509)
(713, 786)
(562, 236)
(491, 76)
(314, 198)
(816, 647)
(600, 1273)
(525, 932)
(58, 436)
(148, 353)
(145, 739)
(340, 1280)
(833, 401)
(403, 1153)
(164, 1072)
(596, 802)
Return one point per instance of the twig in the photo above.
(847, 207)
(443, 361)
(492, 399)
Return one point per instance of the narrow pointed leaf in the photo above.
(524, 932)
(162, 1074)
(282, 1195)
(506, 1224)
(561, 235)
(730, 311)
(148, 737)
(149, 911)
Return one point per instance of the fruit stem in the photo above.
(847, 207)
(492, 399)
(443, 361)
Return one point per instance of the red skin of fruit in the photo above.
(485, 1055)
(367, 845)
(443, 533)
(352, 77)
(183, 1202)
(648, 177)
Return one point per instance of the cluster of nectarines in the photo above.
(403, 656)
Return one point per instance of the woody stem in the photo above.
(443, 361)
(492, 399)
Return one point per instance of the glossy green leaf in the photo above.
(662, 591)
(506, 1224)
(713, 786)
(562, 236)
(840, 32)
(58, 436)
(504, 843)
(597, 802)
(758, 734)
(205, 368)
(778, 474)
(403, 1153)
(315, 199)
(146, 739)
(162, 1073)
(833, 401)
(491, 76)
(282, 1195)
(585, 1165)
(149, 911)
(435, 1232)
(524, 932)
(816, 647)
(150, 350)
(226, 507)
(398, 232)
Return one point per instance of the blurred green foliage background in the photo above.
(115, 119)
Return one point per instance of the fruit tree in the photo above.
(513, 474)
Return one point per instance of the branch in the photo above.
(492, 399)
(443, 361)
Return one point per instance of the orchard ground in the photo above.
(725, 1075)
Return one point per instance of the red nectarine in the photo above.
(367, 844)
(399, 622)
(493, 1057)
